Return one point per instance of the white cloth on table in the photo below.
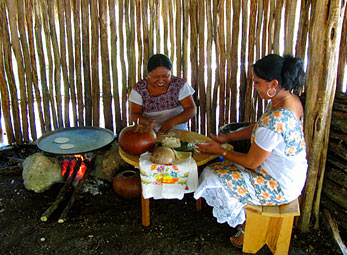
(167, 181)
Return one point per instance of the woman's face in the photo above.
(262, 86)
(159, 77)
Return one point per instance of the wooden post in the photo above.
(78, 70)
(320, 89)
(71, 69)
(62, 47)
(51, 92)
(5, 104)
(300, 50)
(290, 17)
(42, 64)
(251, 42)
(122, 61)
(243, 60)
(209, 114)
(86, 62)
(57, 62)
(105, 60)
(201, 65)
(193, 57)
(341, 73)
(6, 64)
(95, 35)
(29, 22)
(20, 64)
(234, 62)
(116, 102)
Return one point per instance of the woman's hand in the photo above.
(167, 126)
(149, 123)
(210, 146)
(220, 138)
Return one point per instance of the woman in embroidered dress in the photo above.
(161, 100)
(274, 169)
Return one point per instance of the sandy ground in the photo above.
(107, 224)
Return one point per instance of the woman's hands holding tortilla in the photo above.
(212, 146)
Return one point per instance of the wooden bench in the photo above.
(270, 225)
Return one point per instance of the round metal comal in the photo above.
(81, 139)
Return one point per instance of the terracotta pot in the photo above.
(137, 139)
(127, 184)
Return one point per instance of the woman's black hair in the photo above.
(287, 70)
(158, 60)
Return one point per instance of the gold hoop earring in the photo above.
(268, 92)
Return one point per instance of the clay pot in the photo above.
(127, 184)
(137, 139)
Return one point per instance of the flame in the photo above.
(81, 171)
(67, 163)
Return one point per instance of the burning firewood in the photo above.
(62, 192)
(78, 187)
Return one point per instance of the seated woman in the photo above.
(162, 101)
(273, 171)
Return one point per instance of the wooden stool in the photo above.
(271, 225)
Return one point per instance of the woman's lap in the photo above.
(228, 187)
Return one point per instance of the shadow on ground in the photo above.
(106, 224)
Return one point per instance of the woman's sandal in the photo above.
(238, 233)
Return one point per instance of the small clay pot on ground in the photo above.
(127, 184)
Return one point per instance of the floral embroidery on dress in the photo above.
(284, 122)
(266, 188)
(232, 177)
(166, 101)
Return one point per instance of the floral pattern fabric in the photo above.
(228, 187)
(283, 122)
(166, 101)
(265, 187)
(167, 181)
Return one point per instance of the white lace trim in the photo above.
(225, 207)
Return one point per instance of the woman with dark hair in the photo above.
(273, 171)
(161, 100)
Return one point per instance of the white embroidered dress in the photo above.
(228, 187)
(165, 106)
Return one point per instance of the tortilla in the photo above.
(182, 155)
(172, 133)
(67, 146)
(61, 140)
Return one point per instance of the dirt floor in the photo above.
(106, 224)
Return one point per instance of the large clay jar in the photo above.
(127, 184)
(137, 139)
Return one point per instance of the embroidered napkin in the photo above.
(167, 181)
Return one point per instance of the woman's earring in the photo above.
(268, 92)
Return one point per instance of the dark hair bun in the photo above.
(287, 70)
(293, 74)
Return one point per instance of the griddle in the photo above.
(84, 139)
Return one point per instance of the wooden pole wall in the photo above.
(73, 62)
(94, 52)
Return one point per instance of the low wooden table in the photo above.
(200, 159)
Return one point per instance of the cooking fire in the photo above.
(75, 169)
(68, 163)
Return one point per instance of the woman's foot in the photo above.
(237, 239)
